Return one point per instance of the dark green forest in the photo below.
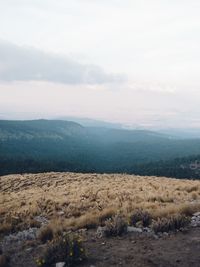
(45, 145)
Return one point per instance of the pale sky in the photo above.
(133, 61)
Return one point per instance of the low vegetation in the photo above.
(172, 223)
(140, 217)
(115, 226)
(68, 249)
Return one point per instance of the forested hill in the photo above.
(10, 130)
(53, 145)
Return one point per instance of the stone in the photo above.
(60, 264)
(132, 229)
(100, 232)
(195, 220)
(147, 229)
(165, 234)
(196, 214)
(19, 237)
(29, 249)
(41, 219)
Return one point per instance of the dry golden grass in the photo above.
(79, 200)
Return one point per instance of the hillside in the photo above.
(35, 129)
(81, 202)
(90, 195)
(53, 145)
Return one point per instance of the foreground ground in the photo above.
(71, 201)
(181, 249)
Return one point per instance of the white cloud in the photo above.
(26, 64)
(155, 43)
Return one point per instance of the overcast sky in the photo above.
(131, 61)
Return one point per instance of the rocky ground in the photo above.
(138, 247)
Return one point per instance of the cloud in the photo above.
(28, 64)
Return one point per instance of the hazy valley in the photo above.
(49, 145)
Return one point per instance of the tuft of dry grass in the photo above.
(45, 234)
(140, 216)
(172, 223)
(75, 200)
(115, 226)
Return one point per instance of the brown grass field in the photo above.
(74, 200)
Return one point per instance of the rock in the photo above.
(100, 232)
(41, 219)
(29, 249)
(147, 229)
(195, 220)
(132, 229)
(156, 236)
(160, 234)
(196, 214)
(60, 264)
(19, 237)
(165, 234)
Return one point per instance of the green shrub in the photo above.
(68, 249)
(140, 216)
(172, 223)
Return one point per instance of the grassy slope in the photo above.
(79, 200)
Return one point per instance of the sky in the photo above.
(136, 62)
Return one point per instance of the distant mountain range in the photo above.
(45, 145)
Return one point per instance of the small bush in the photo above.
(141, 216)
(170, 224)
(115, 226)
(68, 249)
(45, 234)
(5, 228)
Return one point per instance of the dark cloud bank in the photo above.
(28, 64)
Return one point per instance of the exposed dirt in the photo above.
(180, 249)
